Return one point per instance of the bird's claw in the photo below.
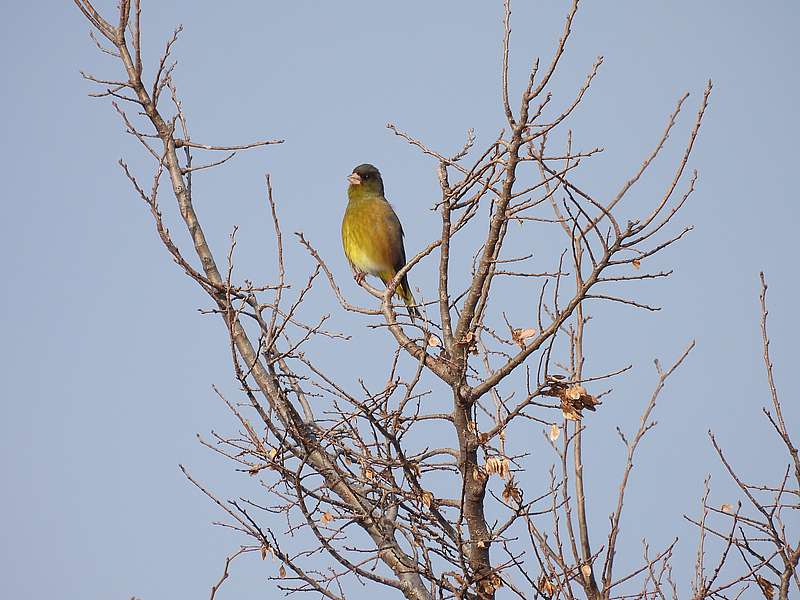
(359, 277)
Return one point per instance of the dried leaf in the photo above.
(574, 397)
(368, 473)
(587, 571)
(491, 584)
(263, 552)
(273, 452)
(546, 587)
(476, 474)
(496, 581)
(434, 341)
(636, 263)
(282, 571)
(555, 431)
(520, 335)
(470, 342)
(512, 492)
(766, 587)
(326, 517)
(727, 508)
(427, 499)
(574, 392)
(498, 465)
(483, 438)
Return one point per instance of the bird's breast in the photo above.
(368, 242)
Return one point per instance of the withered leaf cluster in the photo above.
(573, 396)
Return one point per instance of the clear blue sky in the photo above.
(107, 365)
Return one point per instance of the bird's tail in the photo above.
(404, 291)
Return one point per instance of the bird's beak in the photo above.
(354, 179)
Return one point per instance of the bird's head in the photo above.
(365, 179)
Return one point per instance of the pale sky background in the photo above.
(107, 365)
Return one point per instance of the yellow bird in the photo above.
(372, 236)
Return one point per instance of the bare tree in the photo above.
(757, 529)
(352, 472)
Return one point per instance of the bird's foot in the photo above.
(359, 276)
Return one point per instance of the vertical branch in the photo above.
(506, 41)
(789, 555)
(444, 260)
(699, 583)
(587, 569)
(776, 404)
(645, 425)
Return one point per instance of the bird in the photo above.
(372, 236)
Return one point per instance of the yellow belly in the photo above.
(370, 243)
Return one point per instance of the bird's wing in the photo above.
(395, 234)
